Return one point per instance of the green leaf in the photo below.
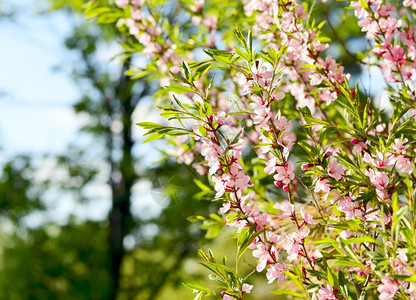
(324, 39)
(186, 70)
(295, 279)
(201, 71)
(149, 125)
(179, 77)
(317, 274)
(363, 239)
(198, 287)
(348, 263)
(180, 89)
(218, 266)
(405, 277)
(202, 130)
(364, 4)
(287, 292)
(343, 284)
(202, 186)
(330, 277)
(153, 137)
(240, 53)
(222, 59)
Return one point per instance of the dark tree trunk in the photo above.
(123, 178)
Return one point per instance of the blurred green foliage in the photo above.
(73, 260)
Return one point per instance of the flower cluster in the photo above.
(316, 180)
(394, 36)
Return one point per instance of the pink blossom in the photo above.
(276, 96)
(303, 232)
(292, 246)
(137, 3)
(246, 288)
(404, 164)
(239, 179)
(411, 3)
(225, 207)
(285, 174)
(122, 3)
(227, 297)
(245, 85)
(346, 234)
(220, 186)
(288, 21)
(370, 26)
(395, 56)
(199, 5)
(327, 96)
(386, 10)
(287, 139)
(346, 206)
(270, 165)
(262, 76)
(283, 124)
(399, 145)
(378, 179)
(299, 11)
(359, 11)
(335, 170)
(263, 255)
(307, 218)
(359, 146)
(322, 186)
(315, 78)
(276, 272)
(388, 288)
(326, 293)
(399, 263)
(378, 160)
(259, 218)
(210, 22)
(287, 209)
(261, 110)
(222, 119)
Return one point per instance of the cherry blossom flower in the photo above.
(246, 288)
(322, 186)
(276, 272)
(378, 179)
(285, 174)
(262, 253)
(411, 3)
(335, 170)
(307, 218)
(388, 288)
(271, 165)
(227, 297)
(286, 209)
(122, 3)
(326, 293)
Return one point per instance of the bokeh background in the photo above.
(85, 212)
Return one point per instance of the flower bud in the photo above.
(306, 166)
(279, 184)
(354, 141)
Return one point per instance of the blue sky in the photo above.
(35, 112)
(36, 100)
